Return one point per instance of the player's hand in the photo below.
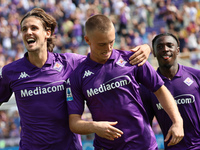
(107, 130)
(141, 54)
(176, 133)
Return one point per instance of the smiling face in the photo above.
(101, 44)
(166, 49)
(34, 35)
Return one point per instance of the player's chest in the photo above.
(185, 84)
(29, 80)
(107, 76)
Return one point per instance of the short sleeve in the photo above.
(75, 98)
(5, 90)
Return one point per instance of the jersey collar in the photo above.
(93, 63)
(49, 61)
(178, 74)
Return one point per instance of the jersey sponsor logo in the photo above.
(188, 81)
(46, 89)
(69, 94)
(180, 100)
(110, 85)
(23, 75)
(58, 66)
(121, 62)
(87, 73)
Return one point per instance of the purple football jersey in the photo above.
(185, 88)
(111, 93)
(41, 99)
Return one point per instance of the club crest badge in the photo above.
(121, 62)
(188, 81)
(58, 66)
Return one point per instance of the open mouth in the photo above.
(106, 53)
(30, 41)
(166, 57)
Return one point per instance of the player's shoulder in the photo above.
(69, 56)
(190, 69)
(13, 66)
(84, 66)
(11, 69)
(71, 59)
(123, 53)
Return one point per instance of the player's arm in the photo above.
(103, 129)
(5, 90)
(168, 103)
(141, 54)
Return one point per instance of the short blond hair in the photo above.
(98, 22)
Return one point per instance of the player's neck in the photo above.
(169, 71)
(37, 59)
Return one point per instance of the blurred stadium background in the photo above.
(136, 22)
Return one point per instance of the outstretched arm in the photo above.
(141, 54)
(103, 129)
(168, 103)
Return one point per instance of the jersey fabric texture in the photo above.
(111, 91)
(185, 88)
(41, 99)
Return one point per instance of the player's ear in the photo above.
(48, 34)
(87, 40)
(178, 50)
(153, 52)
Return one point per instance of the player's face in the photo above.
(34, 35)
(166, 50)
(101, 45)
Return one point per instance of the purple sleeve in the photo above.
(75, 98)
(5, 90)
(74, 59)
(148, 76)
